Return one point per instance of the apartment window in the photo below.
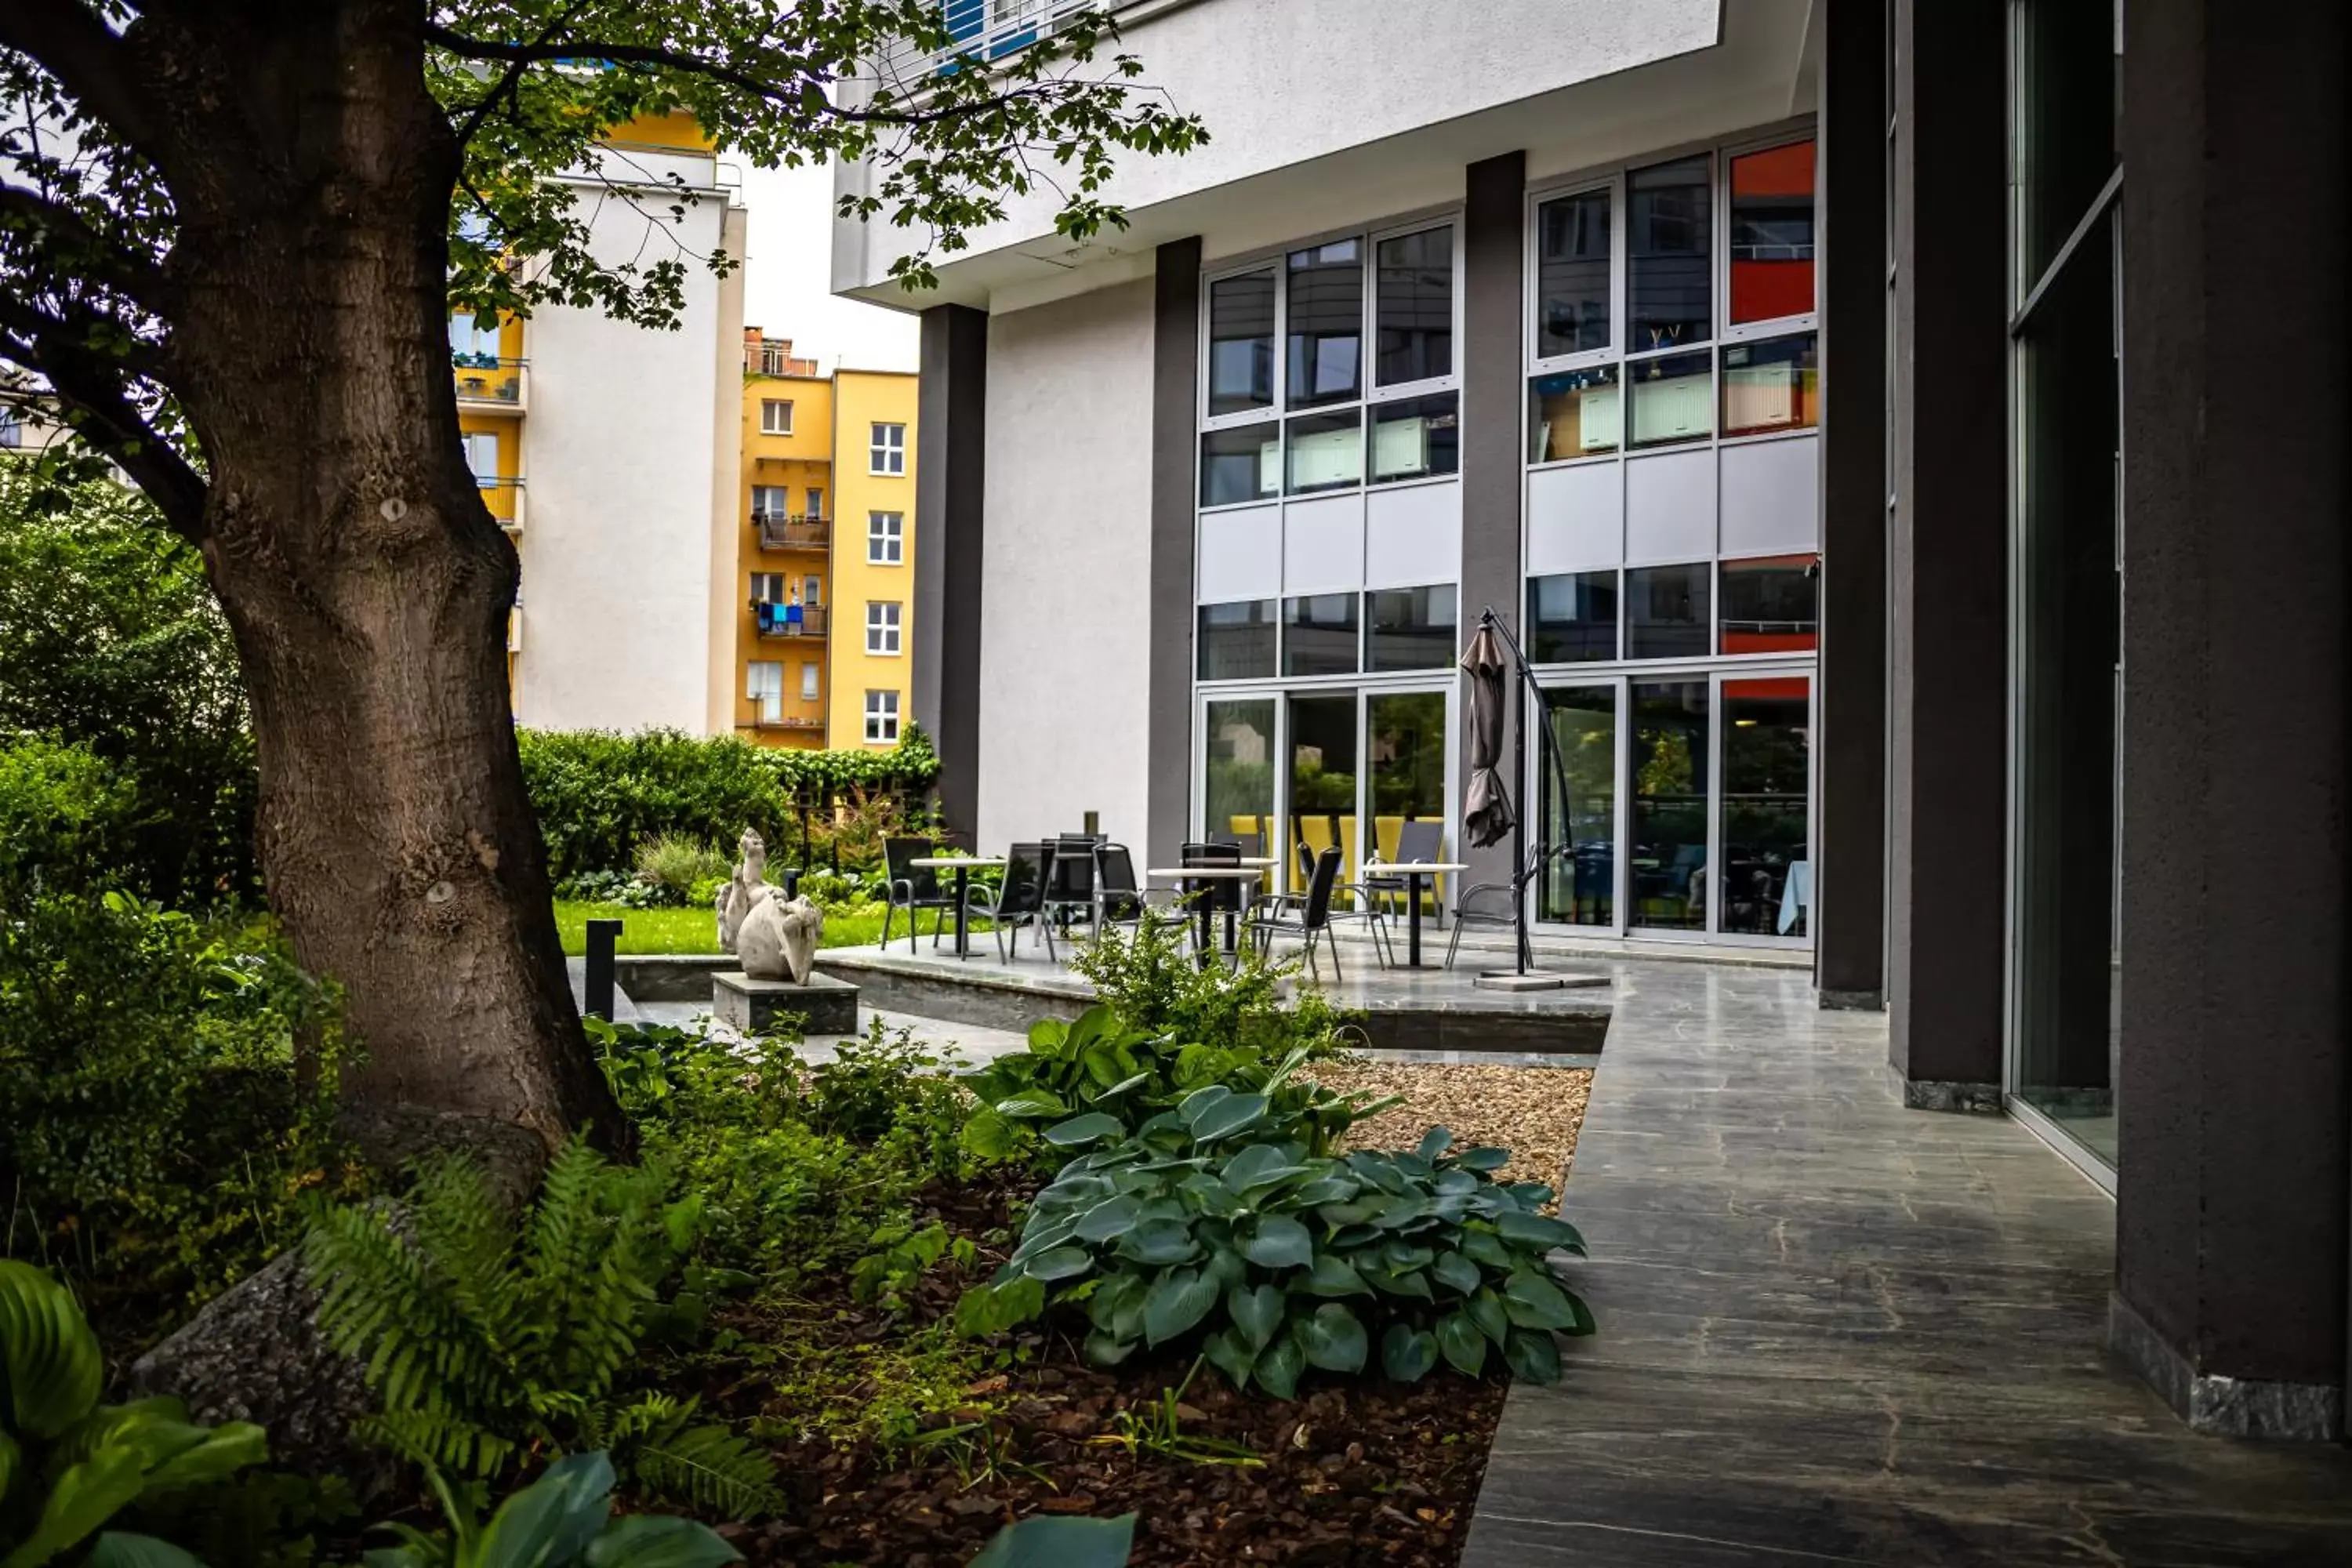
(1771, 385)
(770, 501)
(887, 450)
(1772, 604)
(1573, 288)
(775, 359)
(881, 717)
(1666, 612)
(1573, 617)
(1410, 628)
(1236, 640)
(881, 627)
(1771, 239)
(1574, 414)
(775, 416)
(1318, 635)
(1241, 465)
(815, 502)
(768, 587)
(470, 342)
(12, 429)
(1326, 451)
(1673, 398)
(1416, 438)
(1669, 293)
(764, 683)
(811, 591)
(885, 538)
(1413, 304)
(808, 683)
(1241, 343)
(1327, 323)
(482, 456)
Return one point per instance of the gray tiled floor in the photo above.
(1835, 1331)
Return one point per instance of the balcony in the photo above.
(488, 385)
(793, 531)
(986, 30)
(504, 498)
(769, 713)
(794, 623)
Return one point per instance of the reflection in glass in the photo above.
(1404, 735)
(1411, 628)
(1414, 307)
(1579, 834)
(1669, 297)
(1772, 233)
(1327, 323)
(1673, 398)
(1772, 604)
(1241, 343)
(1574, 414)
(1241, 465)
(2067, 101)
(1772, 385)
(1318, 635)
(1572, 274)
(1666, 612)
(1666, 775)
(1767, 886)
(1322, 781)
(1237, 640)
(1237, 795)
(1416, 438)
(1573, 617)
(1326, 451)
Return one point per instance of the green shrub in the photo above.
(675, 866)
(66, 819)
(489, 1338)
(1274, 1259)
(1151, 984)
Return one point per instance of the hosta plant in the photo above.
(1276, 1260)
(68, 1463)
(562, 1520)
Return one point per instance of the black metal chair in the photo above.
(912, 887)
(1497, 904)
(1312, 922)
(1120, 898)
(1069, 879)
(1212, 897)
(1019, 899)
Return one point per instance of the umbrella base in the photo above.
(1533, 980)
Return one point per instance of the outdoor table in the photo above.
(1201, 876)
(1414, 873)
(963, 866)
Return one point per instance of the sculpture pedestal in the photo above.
(824, 1005)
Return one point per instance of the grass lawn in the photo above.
(694, 931)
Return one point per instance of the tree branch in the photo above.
(92, 381)
(95, 255)
(67, 39)
(512, 76)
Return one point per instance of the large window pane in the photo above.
(1241, 343)
(1412, 628)
(1237, 640)
(1767, 771)
(1416, 438)
(2067, 101)
(1580, 881)
(1669, 297)
(1318, 635)
(1673, 398)
(1414, 307)
(1666, 612)
(1327, 323)
(1326, 451)
(1773, 386)
(1240, 465)
(1573, 414)
(1237, 795)
(1572, 274)
(1772, 233)
(1772, 604)
(1405, 734)
(1322, 783)
(1573, 617)
(1667, 780)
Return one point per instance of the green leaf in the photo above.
(1539, 1230)
(1484, 1246)
(1033, 1104)
(647, 1540)
(1483, 1160)
(1534, 1302)
(49, 1363)
(1117, 1307)
(1159, 1242)
(1210, 1195)
(1463, 1346)
(1107, 1220)
(1256, 1313)
(1108, 1350)
(1434, 1143)
(121, 1549)
(553, 1518)
(1278, 1366)
(1400, 1282)
(83, 1498)
(1061, 1543)
(1403, 1210)
(1456, 1273)
(1330, 1189)
(1080, 1129)
(1485, 1310)
(1176, 1302)
(1335, 1276)
(1229, 1355)
(1059, 1263)
(1333, 1338)
(1407, 1353)
(1225, 1117)
(1534, 1358)
(1279, 1242)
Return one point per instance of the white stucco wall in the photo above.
(618, 449)
(1064, 611)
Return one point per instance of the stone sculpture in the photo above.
(748, 888)
(773, 938)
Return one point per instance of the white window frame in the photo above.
(886, 448)
(881, 710)
(885, 538)
(780, 580)
(766, 697)
(811, 683)
(771, 491)
(769, 424)
(1771, 326)
(883, 628)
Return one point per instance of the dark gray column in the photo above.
(1946, 556)
(951, 450)
(1494, 356)
(1175, 421)
(1849, 915)
(2235, 1072)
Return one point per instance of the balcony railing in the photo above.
(793, 531)
(504, 497)
(987, 30)
(789, 621)
(487, 382)
(769, 713)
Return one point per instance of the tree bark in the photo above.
(366, 584)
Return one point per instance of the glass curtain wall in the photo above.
(1579, 884)
(1237, 790)
(2066, 664)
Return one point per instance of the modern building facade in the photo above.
(1869, 416)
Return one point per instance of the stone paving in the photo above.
(1836, 1330)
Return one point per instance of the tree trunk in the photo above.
(366, 584)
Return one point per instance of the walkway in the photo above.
(1835, 1331)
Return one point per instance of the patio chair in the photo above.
(1418, 840)
(1120, 899)
(1312, 922)
(1221, 896)
(1018, 900)
(912, 887)
(1495, 903)
(1069, 879)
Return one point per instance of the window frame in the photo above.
(886, 623)
(880, 453)
(878, 712)
(1771, 326)
(784, 584)
(767, 405)
(894, 537)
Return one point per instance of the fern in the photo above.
(488, 1338)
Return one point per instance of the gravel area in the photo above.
(1532, 1112)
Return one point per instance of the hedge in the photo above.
(599, 795)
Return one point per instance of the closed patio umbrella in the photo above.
(1486, 815)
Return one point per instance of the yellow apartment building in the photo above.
(874, 559)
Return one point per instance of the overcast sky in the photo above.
(787, 270)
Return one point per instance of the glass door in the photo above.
(1767, 886)
(1668, 773)
(1580, 883)
(1405, 751)
(1237, 775)
(1321, 782)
